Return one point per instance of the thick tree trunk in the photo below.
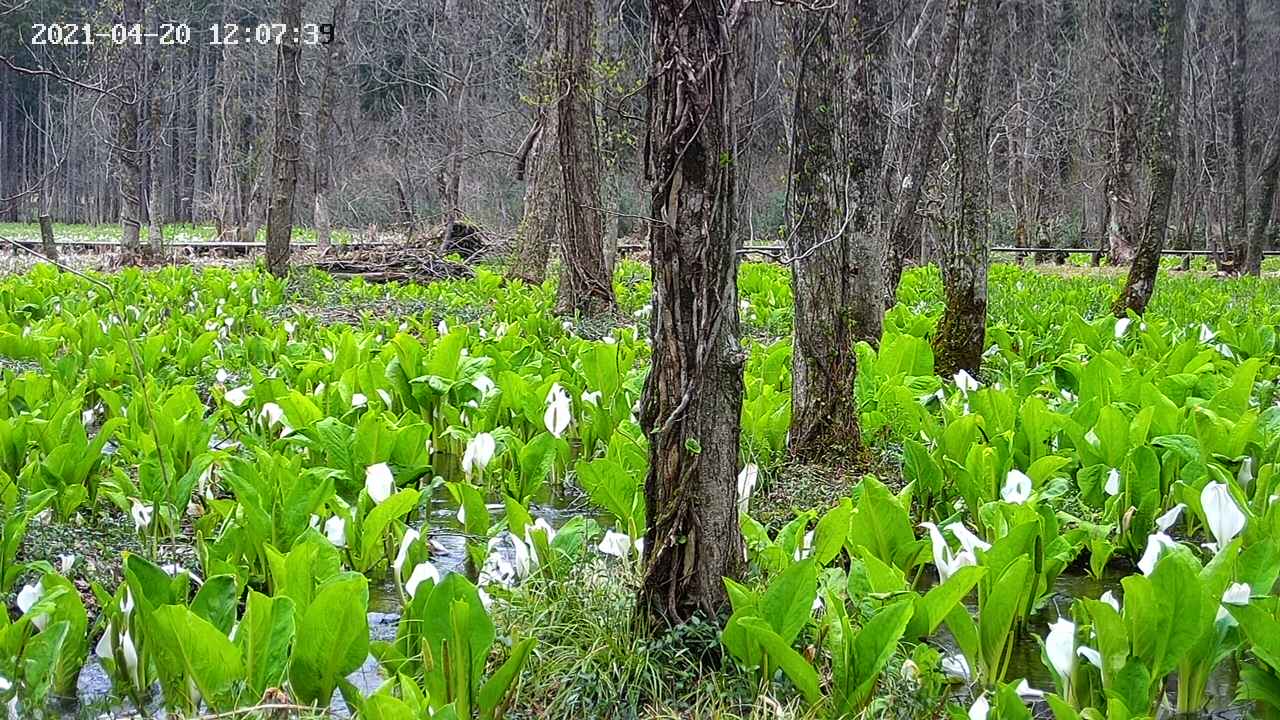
(692, 402)
(1162, 162)
(285, 156)
(1120, 185)
(961, 332)
(129, 167)
(539, 161)
(834, 247)
(1240, 197)
(586, 283)
(323, 173)
(905, 226)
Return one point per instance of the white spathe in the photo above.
(379, 482)
(1122, 324)
(1112, 486)
(28, 596)
(141, 514)
(422, 572)
(558, 413)
(1167, 520)
(616, 544)
(1060, 648)
(1017, 487)
(947, 562)
(1156, 545)
(335, 528)
(747, 478)
(965, 382)
(478, 453)
(1221, 513)
(410, 535)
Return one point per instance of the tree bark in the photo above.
(586, 282)
(155, 112)
(48, 245)
(835, 251)
(540, 162)
(285, 155)
(692, 401)
(129, 167)
(905, 225)
(965, 256)
(1240, 210)
(323, 174)
(1162, 163)
(1122, 153)
(1266, 207)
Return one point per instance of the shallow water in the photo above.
(449, 554)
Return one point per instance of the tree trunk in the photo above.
(48, 245)
(1120, 185)
(539, 161)
(586, 283)
(1162, 163)
(835, 251)
(1265, 209)
(129, 169)
(965, 246)
(155, 224)
(285, 156)
(1240, 209)
(323, 174)
(904, 228)
(692, 402)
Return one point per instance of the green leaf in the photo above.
(201, 651)
(787, 604)
(802, 675)
(374, 528)
(934, 606)
(266, 631)
(332, 640)
(495, 691)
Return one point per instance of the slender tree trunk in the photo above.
(586, 283)
(1265, 209)
(48, 246)
(835, 251)
(964, 259)
(323, 174)
(1240, 210)
(155, 212)
(1162, 161)
(692, 402)
(538, 161)
(129, 177)
(905, 225)
(285, 156)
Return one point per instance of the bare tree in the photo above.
(692, 401)
(324, 152)
(961, 334)
(835, 249)
(537, 159)
(1240, 206)
(288, 146)
(586, 282)
(1162, 162)
(129, 164)
(155, 126)
(905, 224)
(1125, 117)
